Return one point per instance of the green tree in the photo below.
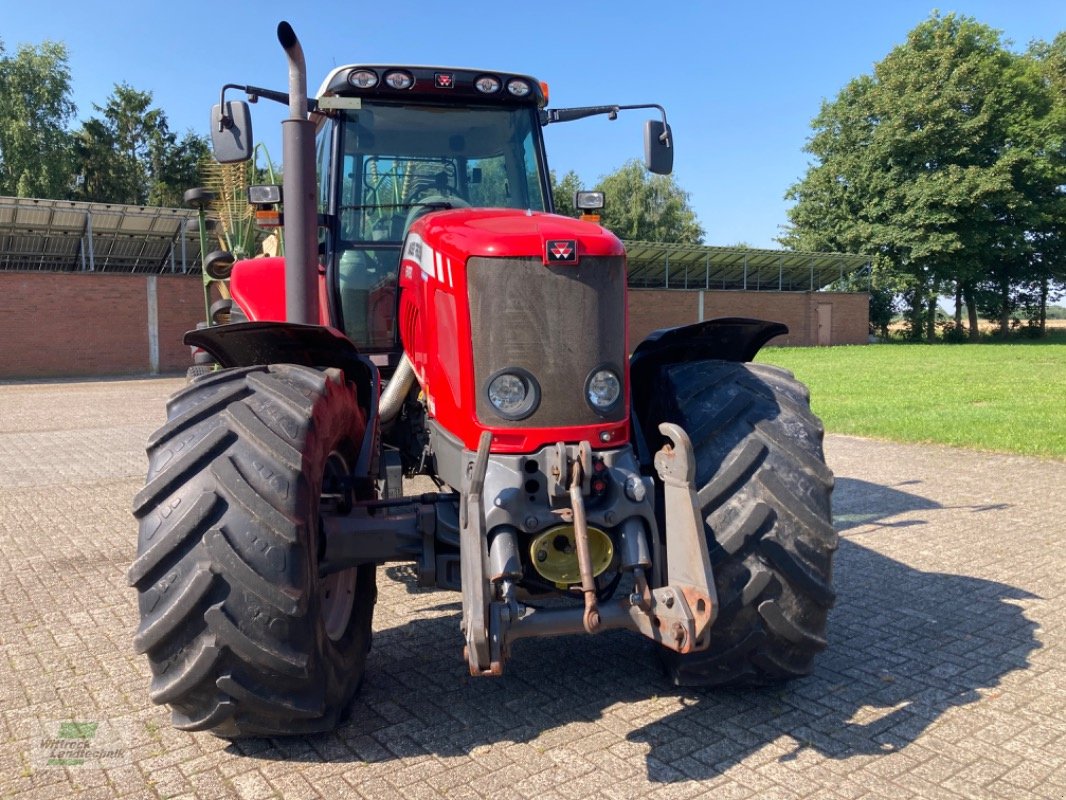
(176, 167)
(643, 207)
(1049, 235)
(129, 154)
(95, 164)
(35, 106)
(936, 165)
(563, 193)
(138, 132)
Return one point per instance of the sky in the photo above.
(741, 82)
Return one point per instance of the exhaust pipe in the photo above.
(297, 71)
(396, 391)
(301, 213)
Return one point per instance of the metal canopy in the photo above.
(654, 265)
(69, 236)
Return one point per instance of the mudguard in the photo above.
(246, 344)
(723, 339)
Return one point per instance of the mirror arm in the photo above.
(664, 137)
(223, 120)
(254, 93)
(550, 115)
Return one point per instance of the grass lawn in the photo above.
(1007, 398)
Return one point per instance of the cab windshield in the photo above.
(399, 162)
(400, 159)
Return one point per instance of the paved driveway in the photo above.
(945, 675)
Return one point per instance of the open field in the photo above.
(1056, 329)
(1007, 398)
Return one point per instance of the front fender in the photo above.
(723, 339)
(246, 344)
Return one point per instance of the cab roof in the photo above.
(434, 82)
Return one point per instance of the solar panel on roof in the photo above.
(681, 266)
(63, 235)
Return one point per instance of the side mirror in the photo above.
(231, 132)
(658, 147)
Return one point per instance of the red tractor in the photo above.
(433, 316)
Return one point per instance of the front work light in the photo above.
(588, 201)
(519, 87)
(264, 194)
(363, 78)
(487, 84)
(398, 79)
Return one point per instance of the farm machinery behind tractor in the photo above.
(433, 316)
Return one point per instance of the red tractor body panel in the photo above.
(436, 325)
(257, 285)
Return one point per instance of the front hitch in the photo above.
(677, 615)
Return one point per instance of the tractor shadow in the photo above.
(861, 503)
(905, 646)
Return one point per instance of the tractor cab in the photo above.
(396, 143)
(392, 144)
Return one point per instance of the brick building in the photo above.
(676, 284)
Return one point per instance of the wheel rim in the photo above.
(336, 592)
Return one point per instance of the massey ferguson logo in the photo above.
(444, 80)
(561, 251)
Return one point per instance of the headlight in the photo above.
(514, 393)
(602, 390)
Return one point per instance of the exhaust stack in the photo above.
(301, 213)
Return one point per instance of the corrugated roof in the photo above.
(65, 235)
(680, 266)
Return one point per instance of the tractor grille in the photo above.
(557, 322)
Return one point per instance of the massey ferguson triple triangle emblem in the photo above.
(561, 251)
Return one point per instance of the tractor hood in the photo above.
(520, 318)
(511, 233)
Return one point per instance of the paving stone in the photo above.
(943, 677)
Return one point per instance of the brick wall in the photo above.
(851, 316)
(180, 306)
(650, 309)
(84, 324)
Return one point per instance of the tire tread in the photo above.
(226, 556)
(764, 492)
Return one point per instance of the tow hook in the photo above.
(677, 615)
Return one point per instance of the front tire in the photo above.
(196, 370)
(243, 636)
(764, 491)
